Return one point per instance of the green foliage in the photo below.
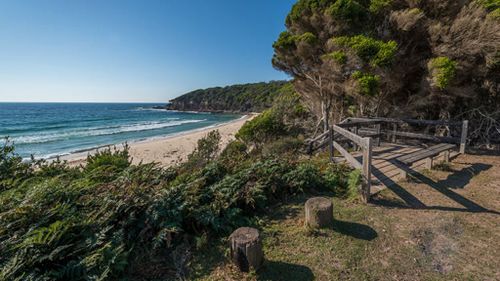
(107, 162)
(264, 127)
(302, 7)
(109, 218)
(376, 6)
(353, 184)
(207, 148)
(286, 40)
(349, 10)
(306, 37)
(338, 56)
(490, 5)
(442, 70)
(368, 84)
(234, 155)
(285, 145)
(12, 167)
(253, 97)
(305, 176)
(376, 52)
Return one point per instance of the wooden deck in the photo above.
(386, 170)
(360, 142)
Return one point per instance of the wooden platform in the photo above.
(386, 169)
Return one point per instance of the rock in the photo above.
(319, 212)
(246, 249)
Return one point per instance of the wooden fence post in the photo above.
(367, 168)
(463, 139)
(377, 127)
(355, 130)
(394, 131)
(330, 143)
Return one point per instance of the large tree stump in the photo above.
(319, 212)
(246, 248)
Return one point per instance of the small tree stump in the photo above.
(319, 212)
(246, 248)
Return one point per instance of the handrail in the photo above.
(339, 133)
(352, 136)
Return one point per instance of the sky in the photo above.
(134, 51)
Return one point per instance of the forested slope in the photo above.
(252, 97)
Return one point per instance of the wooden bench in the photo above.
(427, 154)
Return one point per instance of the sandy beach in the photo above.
(169, 150)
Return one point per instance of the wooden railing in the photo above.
(393, 133)
(363, 133)
(365, 144)
(337, 136)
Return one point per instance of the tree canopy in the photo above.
(426, 59)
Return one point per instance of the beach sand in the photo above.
(169, 150)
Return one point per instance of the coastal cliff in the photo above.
(253, 97)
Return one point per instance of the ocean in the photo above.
(46, 130)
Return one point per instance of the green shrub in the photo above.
(376, 6)
(338, 56)
(263, 128)
(115, 158)
(353, 184)
(490, 5)
(206, 150)
(305, 6)
(305, 176)
(350, 10)
(368, 84)
(306, 37)
(283, 146)
(234, 155)
(442, 70)
(376, 52)
(286, 40)
(12, 168)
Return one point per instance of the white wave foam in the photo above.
(99, 131)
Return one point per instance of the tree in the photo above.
(434, 59)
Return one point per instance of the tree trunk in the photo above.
(319, 212)
(325, 112)
(246, 249)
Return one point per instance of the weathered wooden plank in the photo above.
(420, 122)
(353, 137)
(424, 153)
(350, 159)
(360, 123)
(426, 137)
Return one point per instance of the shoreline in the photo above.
(166, 150)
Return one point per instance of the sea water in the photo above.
(46, 130)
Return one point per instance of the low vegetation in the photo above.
(111, 219)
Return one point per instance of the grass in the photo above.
(368, 242)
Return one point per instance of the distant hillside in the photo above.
(236, 98)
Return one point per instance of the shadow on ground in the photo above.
(356, 230)
(282, 271)
(456, 180)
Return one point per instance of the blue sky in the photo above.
(132, 51)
